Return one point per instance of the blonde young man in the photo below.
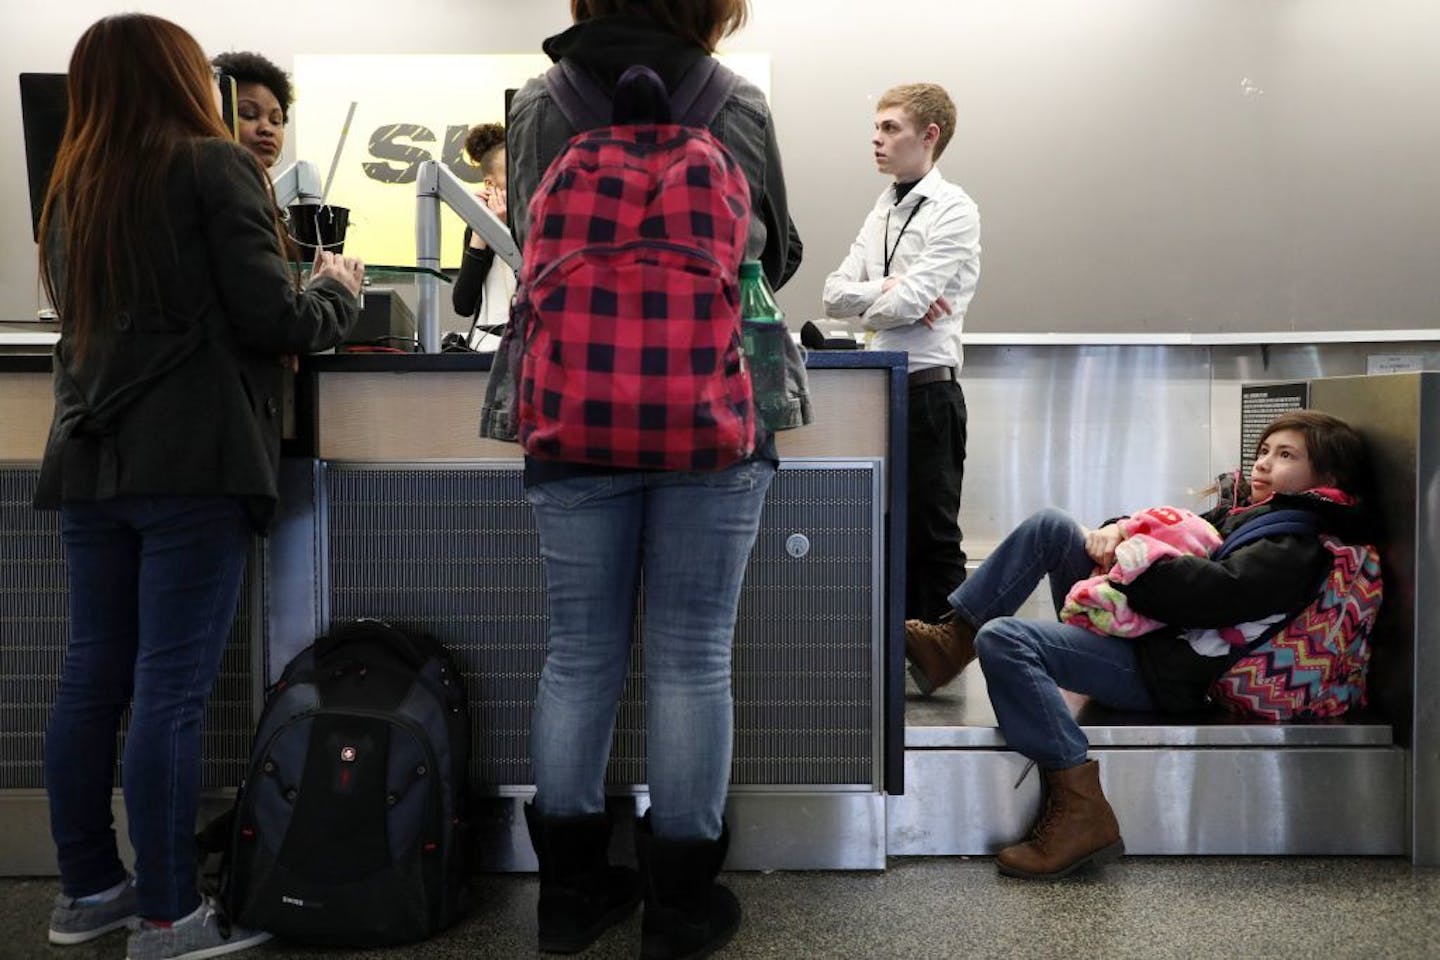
(909, 276)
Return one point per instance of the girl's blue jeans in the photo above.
(1028, 662)
(686, 537)
(153, 587)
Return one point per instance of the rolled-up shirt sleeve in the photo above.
(849, 291)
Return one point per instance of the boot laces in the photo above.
(933, 632)
(1054, 810)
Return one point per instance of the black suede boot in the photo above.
(581, 894)
(687, 914)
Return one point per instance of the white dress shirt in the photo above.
(936, 255)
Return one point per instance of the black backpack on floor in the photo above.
(350, 828)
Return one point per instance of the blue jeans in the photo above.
(689, 536)
(153, 587)
(1028, 662)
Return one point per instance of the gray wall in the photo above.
(1140, 165)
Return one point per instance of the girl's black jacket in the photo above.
(1275, 574)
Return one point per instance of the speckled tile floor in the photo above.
(956, 909)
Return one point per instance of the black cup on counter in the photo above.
(313, 225)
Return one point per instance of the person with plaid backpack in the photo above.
(1294, 542)
(642, 172)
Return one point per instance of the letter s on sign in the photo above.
(384, 146)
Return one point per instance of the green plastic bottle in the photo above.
(762, 326)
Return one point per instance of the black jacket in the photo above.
(180, 391)
(1278, 574)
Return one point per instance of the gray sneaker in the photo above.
(72, 922)
(206, 933)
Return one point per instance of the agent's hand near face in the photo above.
(493, 196)
(350, 271)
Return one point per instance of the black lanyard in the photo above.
(889, 250)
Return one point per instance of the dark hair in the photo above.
(483, 144)
(140, 93)
(704, 22)
(247, 67)
(1336, 450)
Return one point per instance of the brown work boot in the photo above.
(1076, 827)
(938, 651)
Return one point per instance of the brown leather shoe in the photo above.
(1076, 827)
(938, 651)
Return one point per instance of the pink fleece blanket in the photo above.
(1149, 535)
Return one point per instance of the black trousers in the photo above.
(934, 560)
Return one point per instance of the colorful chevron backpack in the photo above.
(1314, 664)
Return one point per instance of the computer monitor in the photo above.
(43, 106)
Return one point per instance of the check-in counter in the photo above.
(409, 515)
(393, 507)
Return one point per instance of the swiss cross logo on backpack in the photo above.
(628, 305)
(1316, 665)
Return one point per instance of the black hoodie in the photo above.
(607, 46)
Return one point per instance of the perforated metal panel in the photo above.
(454, 551)
(34, 627)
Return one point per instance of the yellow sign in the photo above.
(410, 109)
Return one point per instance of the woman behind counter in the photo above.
(484, 288)
(162, 255)
(263, 96)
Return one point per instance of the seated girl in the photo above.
(1304, 461)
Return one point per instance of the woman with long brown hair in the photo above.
(162, 255)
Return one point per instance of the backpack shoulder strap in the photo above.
(1273, 524)
(579, 97)
(695, 103)
(1276, 523)
(700, 95)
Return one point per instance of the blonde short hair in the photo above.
(925, 103)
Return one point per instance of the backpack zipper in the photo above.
(623, 247)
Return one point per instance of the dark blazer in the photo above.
(179, 393)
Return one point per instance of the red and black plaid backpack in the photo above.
(628, 305)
